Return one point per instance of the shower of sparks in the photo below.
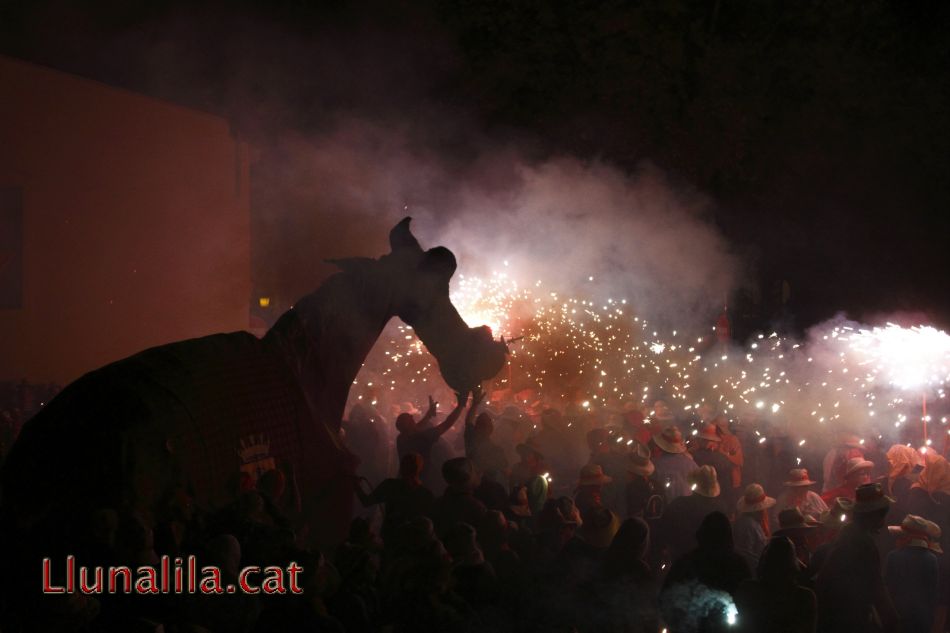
(598, 353)
(908, 358)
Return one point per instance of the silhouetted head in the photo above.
(778, 563)
(405, 423)
(420, 297)
(715, 532)
(484, 425)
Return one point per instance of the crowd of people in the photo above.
(634, 520)
(492, 518)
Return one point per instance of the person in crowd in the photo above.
(614, 462)
(557, 525)
(856, 473)
(458, 504)
(752, 529)
(798, 494)
(404, 498)
(479, 446)
(673, 463)
(800, 530)
(731, 447)
(592, 479)
(829, 526)
(911, 573)
(850, 587)
(622, 597)
(494, 540)
(598, 527)
(905, 465)
(491, 491)
(774, 602)
(676, 529)
(419, 437)
(837, 460)
(709, 454)
(473, 577)
(518, 510)
(929, 496)
(641, 488)
(713, 566)
(529, 472)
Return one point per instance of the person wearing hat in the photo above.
(641, 487)
(673, 464)
(911, 572)
(797, 493)
(836, 461)
(708, 453)
(609, 450)
(751, 529)
(857, 473)
(830, 524)
(850, 586)
(682, 517)
(589, 486)
(420, 437)
(731, 447)
(800, 529)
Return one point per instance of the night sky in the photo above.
(818, 130)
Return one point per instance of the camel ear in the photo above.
(401, 238)
(439, 260)
(352, 264)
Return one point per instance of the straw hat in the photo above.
(754, 499)
(919, 532)
(935, 533)
(704, 481)
(870, 497)
(593, 475)
(798, 477)
(710, 433)
(857, 463)
(670, 440)
(640, 465)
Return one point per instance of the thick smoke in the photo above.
(580, 227)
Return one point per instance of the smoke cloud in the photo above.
(577, 226)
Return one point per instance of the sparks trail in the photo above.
(583, 348)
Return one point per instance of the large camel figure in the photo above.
(182, 415)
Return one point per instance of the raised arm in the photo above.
(430, 412)
(451, 418)
(477, 396)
